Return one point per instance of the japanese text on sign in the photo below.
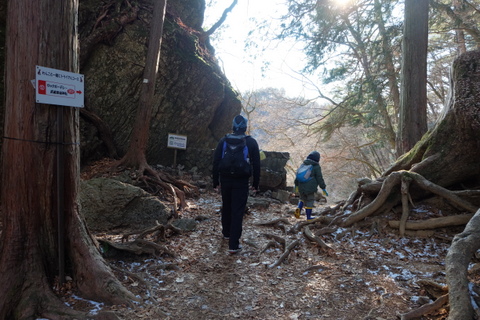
(59, 87)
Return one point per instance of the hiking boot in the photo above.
(297, 213)
(234, 251)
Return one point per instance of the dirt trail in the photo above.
(363, 277)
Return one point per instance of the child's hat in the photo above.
(314, 156)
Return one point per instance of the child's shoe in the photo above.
(297, 213)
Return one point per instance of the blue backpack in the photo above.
(235, 162)
(304, 173)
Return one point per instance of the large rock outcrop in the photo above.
(193, 97)
(273, 175)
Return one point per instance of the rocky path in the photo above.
(362, 277)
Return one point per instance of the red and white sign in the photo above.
(59, 87)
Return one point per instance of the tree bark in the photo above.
(413, 102)
(43, 33)
(464, 245)
(448, 154)
(136, 156)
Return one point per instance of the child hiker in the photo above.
(308, 177)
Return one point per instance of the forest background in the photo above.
(347, 79)
(365, 111)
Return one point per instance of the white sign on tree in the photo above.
(59, 87)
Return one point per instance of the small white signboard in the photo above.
(177, 141)
(59, 87)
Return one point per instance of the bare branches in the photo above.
(221, 21)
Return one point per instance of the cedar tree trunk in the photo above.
(449, 153)
(44, 33)
(413, 100)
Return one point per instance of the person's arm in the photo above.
(319, 178)
(217, 156)
(254, 152)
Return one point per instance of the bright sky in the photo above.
(244, 67)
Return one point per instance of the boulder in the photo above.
(273, 175)
(112, 205)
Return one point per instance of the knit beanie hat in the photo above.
(314, 156)
(239, 124)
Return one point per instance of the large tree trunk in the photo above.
(413, 102)
(43, 33)
(448, 154)
(446, 157)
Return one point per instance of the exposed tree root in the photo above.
(178, 189)
(426, 309)
(405, 209)
(392, 180)
(143, 246)
(433, 289)
(278, 239)
(140, 279)
(463, 247)
(35, 302)
(158, 233)
(404, 178)
(434, 223)
(270, 244)
(139, 246)
(316, 267)
(310, 236)
(275, 222)
(300, 225)
(288, 249)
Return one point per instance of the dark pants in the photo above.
(234, 198)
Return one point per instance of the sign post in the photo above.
(61, 88)
(176, 142)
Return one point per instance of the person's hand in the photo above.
(253, 191)
(325, 193)
(217, 189)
